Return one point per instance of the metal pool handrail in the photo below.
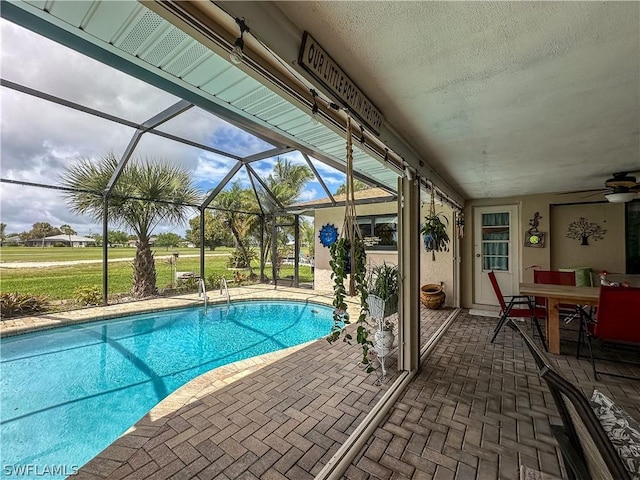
(202, 290)
(223, 286)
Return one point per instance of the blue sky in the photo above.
(39, 138)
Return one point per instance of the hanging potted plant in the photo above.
(434, 231)
(348, 257)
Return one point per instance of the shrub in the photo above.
(88, 295)
(236, 259)
(14, 304)
(189, 283)
(213, 281)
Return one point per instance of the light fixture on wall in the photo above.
(620, 197)
(408, 172)
(237, 53)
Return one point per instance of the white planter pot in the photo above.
(384, 340)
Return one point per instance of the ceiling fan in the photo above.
(620, 188)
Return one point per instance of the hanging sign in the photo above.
(315, 60)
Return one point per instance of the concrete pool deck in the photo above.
(21, 325)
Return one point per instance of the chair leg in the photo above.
(593, 360)
(580, 333)
(503, 320)
(501, 323)
(542, 339)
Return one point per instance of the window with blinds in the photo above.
(495, 241)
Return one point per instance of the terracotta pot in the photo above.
(432, 296)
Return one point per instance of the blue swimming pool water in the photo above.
(67, 393)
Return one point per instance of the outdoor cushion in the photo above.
(622, 430)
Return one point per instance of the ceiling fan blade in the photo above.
(597, 190)
(595, 194)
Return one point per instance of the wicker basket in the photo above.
(432, 296)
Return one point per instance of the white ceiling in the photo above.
(502, 98)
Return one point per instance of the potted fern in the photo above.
(382, 282)
(434, 233)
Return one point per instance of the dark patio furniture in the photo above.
(586, 448)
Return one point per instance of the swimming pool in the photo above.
(67, 393)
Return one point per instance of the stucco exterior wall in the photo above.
(440, 270)
(322, 272)
(557, 212)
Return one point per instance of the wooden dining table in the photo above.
(555, 295)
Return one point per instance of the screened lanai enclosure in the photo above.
(106, 105)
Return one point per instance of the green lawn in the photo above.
(56, 254)
(59, 283)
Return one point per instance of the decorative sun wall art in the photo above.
(328, 235)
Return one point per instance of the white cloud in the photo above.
(308, 194)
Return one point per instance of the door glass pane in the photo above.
(495, 241)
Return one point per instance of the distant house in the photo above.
(13, 240)
(66, 240)
(134, 243)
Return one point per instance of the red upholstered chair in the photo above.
(617, 318)
(519, 306)
(553, 277)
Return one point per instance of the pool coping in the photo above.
(22, 325)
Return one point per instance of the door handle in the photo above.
(478, 255)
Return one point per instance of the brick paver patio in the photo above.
(478, 410)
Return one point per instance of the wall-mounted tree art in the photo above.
(584, 230)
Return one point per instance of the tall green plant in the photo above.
(382, 281)
(234, 202)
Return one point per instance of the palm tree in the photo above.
(286, 182)
(67, 230)
(357, 186)
(234, 201)
(146, 193)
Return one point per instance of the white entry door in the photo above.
(496, 248)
